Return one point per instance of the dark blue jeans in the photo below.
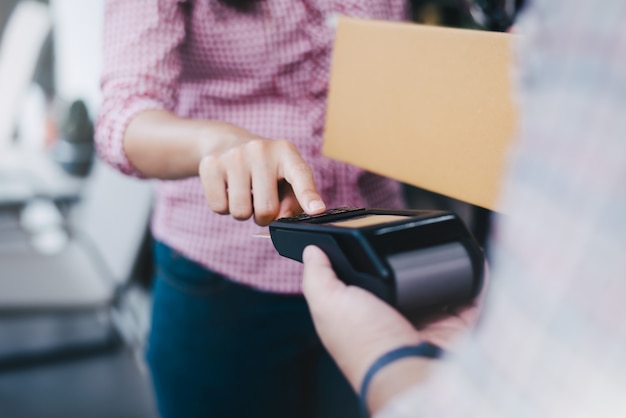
(221, 349)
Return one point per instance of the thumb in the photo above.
(319, 279)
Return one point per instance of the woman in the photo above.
(224, 102)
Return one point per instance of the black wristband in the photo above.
(424, 349)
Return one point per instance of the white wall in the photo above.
(77, 29)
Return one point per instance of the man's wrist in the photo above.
(389, 378)
(395, 378)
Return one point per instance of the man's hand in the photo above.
(357, 327)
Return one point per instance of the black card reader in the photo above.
(412, 259)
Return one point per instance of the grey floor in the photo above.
(108, 386)
(104, 381)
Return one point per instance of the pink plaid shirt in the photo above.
(266, 72)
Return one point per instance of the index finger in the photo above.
(300, 176)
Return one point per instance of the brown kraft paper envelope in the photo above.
(428, 106)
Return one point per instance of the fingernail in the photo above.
(316, 205)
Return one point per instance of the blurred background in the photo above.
(75, 261)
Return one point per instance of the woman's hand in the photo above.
(242, 174)
(259, 177)
(357, 327)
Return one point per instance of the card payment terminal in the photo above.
(413, 259)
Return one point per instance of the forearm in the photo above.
(162, 145)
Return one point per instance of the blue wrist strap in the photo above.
(424, 349)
